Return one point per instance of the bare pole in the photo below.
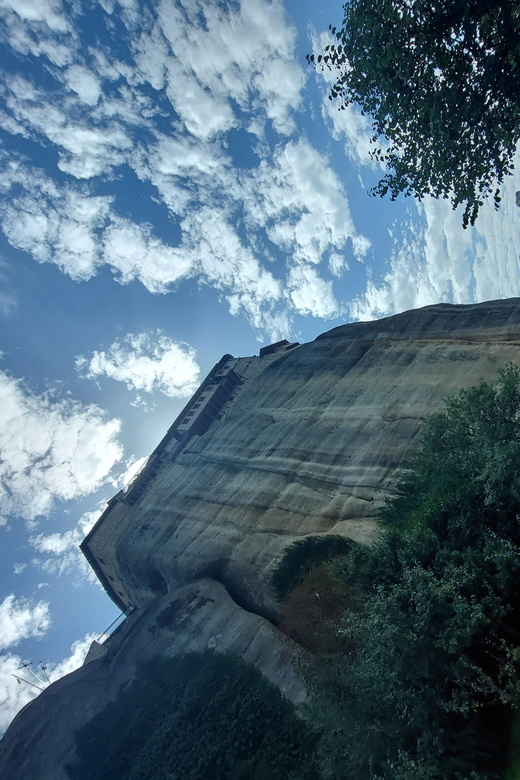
(44, 670)
(27, 665)
(21, 680)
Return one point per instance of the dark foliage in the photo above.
(432, 687)
(196, 717)
(441, 81)
(300, 557)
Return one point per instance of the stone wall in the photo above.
(311, 443)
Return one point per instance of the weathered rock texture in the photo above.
(311, 444)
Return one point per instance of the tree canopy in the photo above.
(199, 716)
(441, 81)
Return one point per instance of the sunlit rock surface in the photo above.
(312, 443)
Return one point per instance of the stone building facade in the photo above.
(211, 400)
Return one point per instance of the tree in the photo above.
(441, 81)
(429, 685)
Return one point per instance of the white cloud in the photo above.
(303, 204)
(19, 567)
(134, 466)
(310, 294)
(207, 60)
(54, 224)
(14, 695)
(50, 449)
(435, 259)
(146, 362)
(78, 652)
(227, 264)
(20, 619)
(338, 264)
(221, 55)
(87, 146)
(79, 232)
(40, 28)
(203, 113)
(60, 551)
(134, 253)
(84, 82)
(427, 265)
(47, 11)
(151, 55)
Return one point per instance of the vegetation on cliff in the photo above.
(430, 680)
(196, 717)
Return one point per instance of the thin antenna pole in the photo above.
(28, 667)
(21, 679)
(44, 670)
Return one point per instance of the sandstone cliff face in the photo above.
(312, 444)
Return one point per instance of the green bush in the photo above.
(196, 717)
(432, 686)
(299, 557)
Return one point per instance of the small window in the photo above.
(101, 560)
(111, 578)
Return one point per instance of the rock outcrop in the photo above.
(310, 444)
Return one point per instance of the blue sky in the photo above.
(174, 185)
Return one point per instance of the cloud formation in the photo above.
(21, 619)
(146, 362)
(202, 70)
(50, 449)
(221, 57)
(434, 259)
(59, 553)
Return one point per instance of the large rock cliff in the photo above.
(310, 444)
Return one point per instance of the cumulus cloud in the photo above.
(48, 11)
(38, 27)
(86, 147)
(134, 253)
(59, 553)
(310, 293)
(14, 695)
(79, 232)
(78, 652)
(50, 449)
(84, 83)
(213, 68)
(435, 259)
(222, 55)
(206, 58)
(53, 224)
(303, 204)
(21, 619)
(227, 264)
(146, 362)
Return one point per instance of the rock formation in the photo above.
(310, 442)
